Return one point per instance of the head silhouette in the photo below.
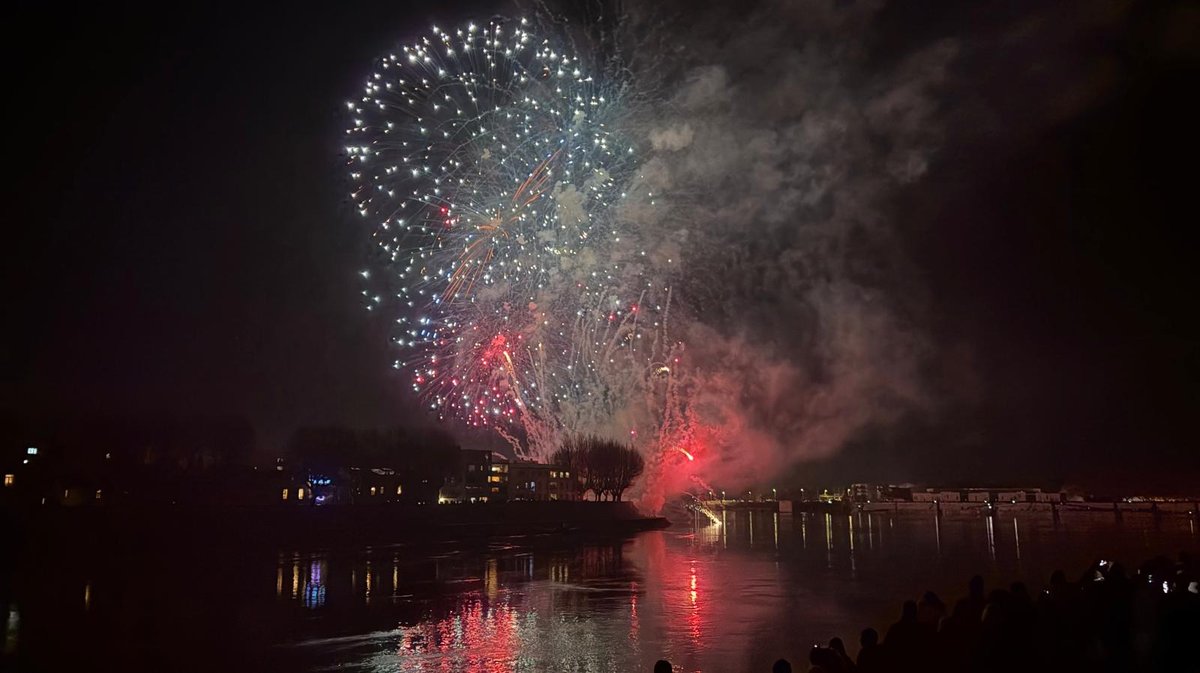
(976, 587)
(869, 638)
(662, 666)
(781, 666)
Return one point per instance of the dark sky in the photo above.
(177, 243)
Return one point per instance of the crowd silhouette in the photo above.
(1107, 621)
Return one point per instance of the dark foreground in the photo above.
(1107, 620)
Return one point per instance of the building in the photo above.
(864, 493)
(471, 479)
(981, 495)
(498, 479)
(541, 481)
(373, 485)
(935, 495)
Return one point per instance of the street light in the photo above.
(774, 494)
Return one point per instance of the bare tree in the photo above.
(602, 466)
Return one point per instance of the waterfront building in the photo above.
(498, 479)
(541, 481)
(470, 480)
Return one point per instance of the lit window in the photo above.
(285, 494)
(9, 479)
(31, 451)
(299, 494)
(99, 494)
(399, 489)
(372, 490)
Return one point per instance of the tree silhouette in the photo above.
(602, 466)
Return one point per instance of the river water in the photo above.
(725, 598)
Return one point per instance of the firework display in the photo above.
(491, 166)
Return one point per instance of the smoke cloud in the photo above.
(773, 156)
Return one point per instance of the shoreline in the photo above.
(177, 526)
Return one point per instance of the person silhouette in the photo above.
(781, 666)
(969, 610)
(871, 655)
(824, 660)
(839, 648)
(905, 639)
(662, 666)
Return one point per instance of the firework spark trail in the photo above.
(489, 163)
(550, 238)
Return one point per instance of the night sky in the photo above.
(179, 243)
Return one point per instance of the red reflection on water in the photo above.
(695, 617)
(480, 637)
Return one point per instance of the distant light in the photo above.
(31, 451)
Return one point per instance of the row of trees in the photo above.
(602, 466)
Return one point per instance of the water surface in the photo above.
(732, 597)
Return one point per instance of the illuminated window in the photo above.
(372, 490)
(99, 494)
(399, 489)
(285, 494)
(9, 479)
(31, 451)
(66, 493)
(299, 494)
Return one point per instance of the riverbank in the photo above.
(1177, 509)
(326, 526)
